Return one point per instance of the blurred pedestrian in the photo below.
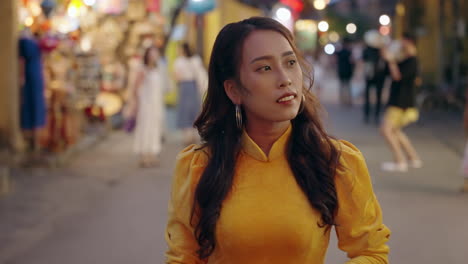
(465, 157)
(188, 68)
(33, 104)
(375, 71)
(129, 112)
(150, 85)
(345, 71)
(268, 183)
(401, 110)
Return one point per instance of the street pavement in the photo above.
(102, 208)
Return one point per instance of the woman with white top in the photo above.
(186, 68)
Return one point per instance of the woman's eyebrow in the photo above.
(267, 57)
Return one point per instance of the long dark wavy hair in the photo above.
(310, 152)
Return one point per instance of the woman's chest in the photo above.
(268, 212)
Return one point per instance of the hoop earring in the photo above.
(238, 117)
(301, 107)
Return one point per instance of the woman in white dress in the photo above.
(151, 83)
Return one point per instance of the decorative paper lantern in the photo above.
(200, 6)
(47, 7)
(153, 6)
(112, 6)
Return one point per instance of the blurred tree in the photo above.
(338, 22)
(173, 19)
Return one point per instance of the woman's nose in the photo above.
(284, 79)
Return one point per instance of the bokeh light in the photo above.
(323, 26)
(320, 4)
(384, 20)
(333, 36)
(28, 21)
(351, 28)
(89, 2)
(329, 49)
(283, 13)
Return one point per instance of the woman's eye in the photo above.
(291, 62)
(264, 68)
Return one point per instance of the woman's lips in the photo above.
(286, 98)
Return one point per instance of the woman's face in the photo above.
(271, 78)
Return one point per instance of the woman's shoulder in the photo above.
(351, 158)
(352, 171)
(347, 149)
(193, 156)
(190, 164)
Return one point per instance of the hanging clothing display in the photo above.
(32, 109)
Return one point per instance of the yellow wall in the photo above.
(227, 11)
(9, 91)
(429, 45)
(233, 11)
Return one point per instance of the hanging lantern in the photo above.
(153, 6)
(47, 7)
(200, 6)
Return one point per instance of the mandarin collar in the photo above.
(277, 150)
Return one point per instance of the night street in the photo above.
(102, 208)
(98, 97)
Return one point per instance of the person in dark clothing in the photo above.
(345, 71)
(401, 110)
(375, 72)
(33, 104)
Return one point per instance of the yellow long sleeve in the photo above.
(360, 230)
(179, 232)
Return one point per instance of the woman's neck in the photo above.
(265, 135)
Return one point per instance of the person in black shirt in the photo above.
(345, 71)
(375, 73)
(401, 109)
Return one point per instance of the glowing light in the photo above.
(283, 14)
(35, 8)
(306, 25)
(329, 49)
(65, 24)
(384, 30)
(28, 21)
(323, 26)
(86, 44)
(320, 4)
(73, 11)
(351, 28)
(333, 36)
(89, 2)
(76, 8)
(384, 20)
(23, 13)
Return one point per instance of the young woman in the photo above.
(187, 67)
(151, 83)
(401, 110)
(268, 183)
